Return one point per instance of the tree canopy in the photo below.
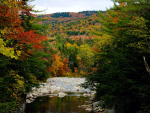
(20, 54)
(122, 79)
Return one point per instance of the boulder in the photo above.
(83, 106)
(93, 92)
(110, 111)
(61, 94)
(31, 99)
(34, 94)
(95, 104)
(57, 88)
(101, 102)
(28, 101)
(29, 95)
(88, 109)
(96, 109)
(85, 95)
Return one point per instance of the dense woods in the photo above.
(106, 47)
(121, 73)
(21, 53)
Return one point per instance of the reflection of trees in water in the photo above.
(56, 104)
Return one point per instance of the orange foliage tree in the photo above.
(57, 66)
(18, 76)
(12, 31)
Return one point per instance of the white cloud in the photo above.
(53, 6)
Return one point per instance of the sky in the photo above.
(53, 6)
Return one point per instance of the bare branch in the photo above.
(146, 65)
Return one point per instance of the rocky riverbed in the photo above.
(59, 86)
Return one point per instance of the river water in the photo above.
(68, 104)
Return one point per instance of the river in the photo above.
(68, 104)
(51, 99)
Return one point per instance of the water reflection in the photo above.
(67, 104)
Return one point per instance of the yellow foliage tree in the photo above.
(57, 66)
(8, 51)
(102, 41)
(86, 55)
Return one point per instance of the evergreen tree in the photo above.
(122, 79)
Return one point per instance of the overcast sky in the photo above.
(54, 6)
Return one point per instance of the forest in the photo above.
(109, 48)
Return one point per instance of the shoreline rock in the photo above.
(58, 85)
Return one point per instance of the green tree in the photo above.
(122, 77)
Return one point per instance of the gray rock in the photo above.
(101, 102)
(95, 104)
(31, 99)
(28, 101)
(83, 106)
(88, 109)
(59, 84)
(96, 109)
(61, 94)
(85, 94)
(110, 111)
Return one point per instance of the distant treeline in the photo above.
(67, 14)
(63, 14)
(88, 13)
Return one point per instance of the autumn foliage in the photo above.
(59, 66)
(20, 50)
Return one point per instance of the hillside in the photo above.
(68, 23)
